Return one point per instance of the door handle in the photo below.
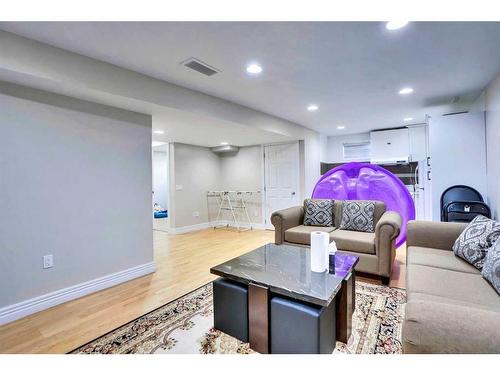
(293, 193)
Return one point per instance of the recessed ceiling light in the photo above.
(254, 68)
(407, 119)
(224, 143)
(395, 25)
(158, 132)
(405, 91)
(312, 108)
(340, 127)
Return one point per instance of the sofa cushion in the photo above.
(438, 258)
(475, 240)
(318, 212)
(359, 242)
(380, 209)
(430, 298)
(302, 233)
(462, 288)
(433, 327)
(491, 268)
(358, 216)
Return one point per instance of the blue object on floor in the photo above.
(160, 214)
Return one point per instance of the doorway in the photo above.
(281, 178)
(160, 188)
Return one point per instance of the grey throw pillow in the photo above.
(473, 243)
(491, 268)
(358, 216)
(318, 212)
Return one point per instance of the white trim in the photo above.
(201, 226)
(189, 228)
(43, 302)
(263, 186)
(244, 225)
(267, 222)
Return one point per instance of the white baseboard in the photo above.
(189, 228)
(195, 227)
(243, 225)
(33, 305)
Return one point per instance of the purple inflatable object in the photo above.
(363, 181)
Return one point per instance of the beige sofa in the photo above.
(376, 250)
(450, 307)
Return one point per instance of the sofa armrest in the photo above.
(286, 219)
(448, 328)
(386, 231)
(433, 234)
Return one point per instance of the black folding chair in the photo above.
(462, 203)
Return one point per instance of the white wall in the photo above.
(334, 146)
(25, 59)
(323, 139)
(199, 170)
(171, 185)
(196, 169)
(479, 104)
(244, 171)
(241, 171)
(492, 145)
(458, 154)
(37, 63)
(160, 178)
(312, 161)
(75, 182)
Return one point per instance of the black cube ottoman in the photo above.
(231, 308)
(301, 328)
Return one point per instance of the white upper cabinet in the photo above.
(418, 142)
(390, 146)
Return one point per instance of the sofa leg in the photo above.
(385, 280)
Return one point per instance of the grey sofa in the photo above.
(450, 307)
(376, 250)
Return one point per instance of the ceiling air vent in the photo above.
(200, 67)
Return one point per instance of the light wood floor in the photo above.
(183, 263)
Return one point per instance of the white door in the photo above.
(458, 156)
(281, 180)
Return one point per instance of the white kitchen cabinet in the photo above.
(418, 142)
(389, 146)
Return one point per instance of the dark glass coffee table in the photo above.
(284, 296)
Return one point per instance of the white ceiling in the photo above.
(177, 125)
(353, 71)
(186, 127)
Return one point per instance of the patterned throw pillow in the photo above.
(491, 268)
(358, 216)
(475, 240)
(318, 212)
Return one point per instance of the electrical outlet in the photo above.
(196, 214)
(48, 261)
(178, 187)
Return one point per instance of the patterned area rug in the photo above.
(186, 326)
